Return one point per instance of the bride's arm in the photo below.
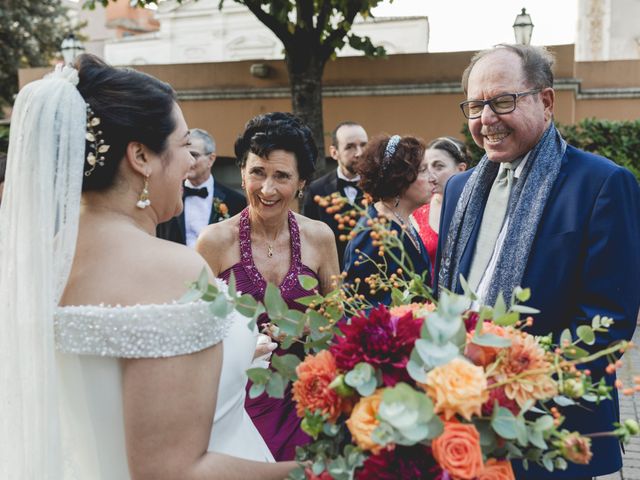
(168, 413)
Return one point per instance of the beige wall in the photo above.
(408, 94)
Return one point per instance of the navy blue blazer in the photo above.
(175, 229)
(364, 243)
(584, 261)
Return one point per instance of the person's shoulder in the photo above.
(315, 230)
(592, 169)
(320, 183)
(220, 234)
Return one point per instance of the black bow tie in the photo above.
(198, 192)
(342, 183)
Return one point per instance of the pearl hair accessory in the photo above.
(96, 146)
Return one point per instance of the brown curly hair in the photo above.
(389, 179)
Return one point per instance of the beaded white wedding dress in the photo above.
(91, 340)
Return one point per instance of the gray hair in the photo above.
(209, 142)
(537, 64)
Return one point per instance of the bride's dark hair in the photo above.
(132, 107)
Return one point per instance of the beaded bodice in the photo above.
(138, 331)
(248, 277)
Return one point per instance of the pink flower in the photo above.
(384, 341)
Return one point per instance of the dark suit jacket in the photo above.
(323, 186)
(585, 261)
(174, 229)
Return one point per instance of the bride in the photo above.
(117, 381)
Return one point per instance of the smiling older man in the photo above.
(539, 213)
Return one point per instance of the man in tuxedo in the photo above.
(206, 201)
(347, 144)
(542, 214)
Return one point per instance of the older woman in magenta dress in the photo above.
(267, 242)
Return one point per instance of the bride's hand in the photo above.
(264, 346)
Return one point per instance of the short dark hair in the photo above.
(382, 178)
(334, 134)
(132, 107)
(454, 147)
(3, 165)
(537, 64)
(278, 131)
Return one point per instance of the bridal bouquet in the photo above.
(423, 389)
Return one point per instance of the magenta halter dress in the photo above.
(275, 418)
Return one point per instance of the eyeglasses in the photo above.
(500, 105)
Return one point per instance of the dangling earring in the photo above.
(300, 193)
(143, 199)
(397, 202)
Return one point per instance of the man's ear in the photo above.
(548, 100)
(212, 159)
(136, 154)
(333, 151)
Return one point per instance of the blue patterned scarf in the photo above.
(528, 198)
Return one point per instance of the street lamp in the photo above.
(522, 27)
(71, 47)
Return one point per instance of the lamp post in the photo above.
(71, 47)
(523, 27)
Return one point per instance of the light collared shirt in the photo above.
(350, 192)
(485, 281)
(197, 211)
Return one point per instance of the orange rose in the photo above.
(312, 392)
(363, 422)
(479, 355)
(457, 387)
(497, 470)
(457, 450)
(223, 209)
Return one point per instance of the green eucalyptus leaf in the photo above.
(522, 294)
(256, 390)
(595, 322)
(503, 423)
(589, 397)
(233, 292)
(290, 323)
(500, 307)
(276, 306)
(536, 438)
(507, 320)
(433, 354)
(416, 371)
(513, 450)
(286, 365)
(308, 282)
(523, 309)
(521, 431)
(436, 427)
(543, 423)
(488, 437)
(563, 401)
(247, 305)
(220, 307)
(560, 463)
(585, 333)
(276, 386)
(309, 299)
(259, 375)
(547, 462)
(191, 296)
(203, 280)
(565, 337)
(575, 352)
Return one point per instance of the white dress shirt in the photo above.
(197, 211)
(350, 192)
(485, 281)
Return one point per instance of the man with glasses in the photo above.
(206, 200)
(541, 214)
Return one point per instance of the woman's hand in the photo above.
(264, 347)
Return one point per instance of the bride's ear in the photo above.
(137, 156)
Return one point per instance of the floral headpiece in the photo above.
(389, 150)
(97, 147)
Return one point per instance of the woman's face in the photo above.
(166, 181)
(441, 167)
(271, 183)
(418, 192)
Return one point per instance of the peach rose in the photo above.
(363, 422)
(312, 392)
(418, 309)
(457, 450)
(496, 470)
(458, 387)
(479, 355)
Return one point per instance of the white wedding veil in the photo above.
(38, 230)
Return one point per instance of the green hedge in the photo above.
(617, 140)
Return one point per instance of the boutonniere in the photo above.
(221, 209)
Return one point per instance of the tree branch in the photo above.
(305, 14)
(337, 34)
(279, 29)
(323, 17)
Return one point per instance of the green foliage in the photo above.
(617, 140)
(4, 138)
(31, 32)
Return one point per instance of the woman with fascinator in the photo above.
(394, 172)
(103, 375)
(267, 242)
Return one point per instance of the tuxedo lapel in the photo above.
(181, 227)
